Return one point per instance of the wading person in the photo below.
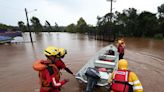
(124, 80)
(49, 75)
(121, 47)
(123, 42)
(59, 63)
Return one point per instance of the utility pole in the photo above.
(111, 33)
(111, 4)
(28, 26)
(111, 8)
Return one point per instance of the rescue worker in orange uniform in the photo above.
(124, 80)
(49, 76)
(59, 63)
(121, 47)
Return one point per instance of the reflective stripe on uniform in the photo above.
(136, 82)
(131, 83)
(137, 87)
(126, 76)
(56, 84)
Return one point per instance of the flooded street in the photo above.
(145, 56)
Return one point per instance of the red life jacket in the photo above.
(120, 81)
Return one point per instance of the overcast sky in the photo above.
(65, 12)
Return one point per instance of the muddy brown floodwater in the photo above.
(145, 56)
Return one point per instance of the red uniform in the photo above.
(38, 66)
(60, 64)
(120, 51)
(46, 78)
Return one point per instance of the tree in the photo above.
(161, 10)
(161, 19)
(120, 20)
(71, 28)
(81, 25)
(98, 21)
(131, 21)
(3, 26)
(56, 28)
(147, 24)
(37, 27)
(21, 25)
(48, 26)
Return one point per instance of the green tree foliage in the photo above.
(22, 27)
(161, 10)
(4, 27)
(71, 28)
(37, 27)
(131, 23)
(161, 19)
(120, 22)
(147, 24)
(105, 27)
(81, 25)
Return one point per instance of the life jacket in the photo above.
(39, 65)
(47, 84)
(120, 81)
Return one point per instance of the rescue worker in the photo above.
(59, 63)
(123, 42)
(49, 76)
(121, 47)
(124, 80)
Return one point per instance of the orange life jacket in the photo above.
(53, 71)
(39, 65)
(120, 81)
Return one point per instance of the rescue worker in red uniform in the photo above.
(121, 47)
(49, 76)
(123, 80)
(59, 63)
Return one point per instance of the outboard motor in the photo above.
(92, 77)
